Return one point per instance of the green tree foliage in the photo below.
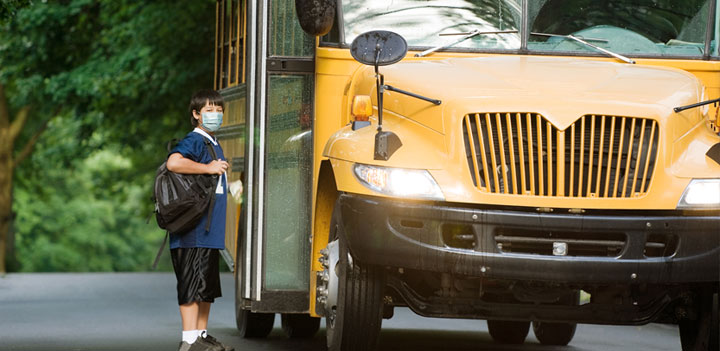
(107, 83)
(8, 8)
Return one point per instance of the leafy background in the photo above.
(106, 84)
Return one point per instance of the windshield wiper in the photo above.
(467, 35)
(583, 41)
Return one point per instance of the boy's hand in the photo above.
(217, 167)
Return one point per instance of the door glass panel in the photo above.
(287, 38)
(288, 179)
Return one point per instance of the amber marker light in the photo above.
(362, 107)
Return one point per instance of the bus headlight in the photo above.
(400, 182)
(701, 193)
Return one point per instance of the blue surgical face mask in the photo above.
(212, 120)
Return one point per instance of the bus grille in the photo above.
(599, 156)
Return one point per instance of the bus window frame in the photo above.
(225, 67)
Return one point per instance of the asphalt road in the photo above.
(138, 311)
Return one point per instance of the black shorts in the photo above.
(198, 274)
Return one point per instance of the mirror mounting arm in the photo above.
(380, 84)
(388, 48)
(405, 92)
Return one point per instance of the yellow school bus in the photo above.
(526, 162)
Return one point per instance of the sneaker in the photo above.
(210, 339)
(196, 346)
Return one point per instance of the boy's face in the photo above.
(207, 108)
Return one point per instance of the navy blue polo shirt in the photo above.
(193, 147)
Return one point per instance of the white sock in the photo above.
(189, 336)
(203, 333)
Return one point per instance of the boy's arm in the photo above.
(179, 164)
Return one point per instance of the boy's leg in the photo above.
(189, 313)
(203, 315)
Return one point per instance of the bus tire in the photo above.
(299, 325)
(558, 334)
(252, 324)
(702, 333)
(355, 323)
(508, 332)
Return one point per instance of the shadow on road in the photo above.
(391, 340)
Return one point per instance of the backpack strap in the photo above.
(212, 199)
(160, 251)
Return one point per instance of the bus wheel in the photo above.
(353, 299)
(702, 333)
(558, 334)
(508, 332)
(299, 325)
(252, 324)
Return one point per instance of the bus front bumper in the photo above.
(529, 246)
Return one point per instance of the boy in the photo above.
(195, 253)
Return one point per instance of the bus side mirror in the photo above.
(380, 48)
(316, 16)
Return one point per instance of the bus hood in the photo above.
(560, 89)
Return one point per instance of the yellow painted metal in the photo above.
(591, 155)
(447, 151)
(617, 166)
(322, 213)
(601, 152)
(572, 160)
(471, 142)
(230, 32)
(647, 160)
(482, 149)
(581, 167)
(560, 174)
(530, 153)
(549, 134)
(541, 172)
(609, 161)
(523, 185)
(501, 147)
(234, 113)
(513, 172)
(637, 161)
(687, 157)
(629, 152)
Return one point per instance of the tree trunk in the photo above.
(6, 173)
(9, 131)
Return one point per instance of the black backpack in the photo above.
(182, 200)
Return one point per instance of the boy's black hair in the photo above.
(200, 99)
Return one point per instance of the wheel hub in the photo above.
(327, 281)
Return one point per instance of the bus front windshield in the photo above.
(421, 21)
(643, 28)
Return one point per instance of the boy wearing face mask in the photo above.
(195, 254)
